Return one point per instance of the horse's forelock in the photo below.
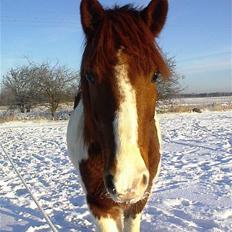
(123, 27)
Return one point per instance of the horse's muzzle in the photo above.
(128, 192)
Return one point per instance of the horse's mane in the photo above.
(122, 27)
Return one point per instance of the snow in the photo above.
(193, 192)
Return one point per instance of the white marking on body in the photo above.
(77, 150)
(157, 125)
(130, 163)
(132, 224)
(75, 140)
(106, 224)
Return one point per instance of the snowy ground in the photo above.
(193, 193)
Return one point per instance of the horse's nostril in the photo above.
(145, 179)
(110, 184)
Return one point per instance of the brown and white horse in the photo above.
(112, 137)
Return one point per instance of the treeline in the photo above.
(196, 95)
(29, 85)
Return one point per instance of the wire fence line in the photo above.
(48, 220)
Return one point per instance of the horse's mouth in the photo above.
(126, 200)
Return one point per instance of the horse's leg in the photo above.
(108, 217)
(108, 224)
(132, 223)
(132, 216)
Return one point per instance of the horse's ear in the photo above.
(155, 15)
(91, 14)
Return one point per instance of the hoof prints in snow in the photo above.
(193, 192)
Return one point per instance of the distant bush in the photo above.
(39, 113)
(179, 108)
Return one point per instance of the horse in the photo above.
(113, 136)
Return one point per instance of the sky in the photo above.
(198, 34)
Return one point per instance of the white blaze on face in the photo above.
(130, 164)
(157, 125)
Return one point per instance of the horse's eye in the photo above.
(90, 78)
(155, 76)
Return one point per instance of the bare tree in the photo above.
(168, 89)
(19, 84)
(6, 96)
(56, 83)
(35, 83)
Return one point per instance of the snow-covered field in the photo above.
(193, 192)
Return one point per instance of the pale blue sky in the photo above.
(198, 34)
